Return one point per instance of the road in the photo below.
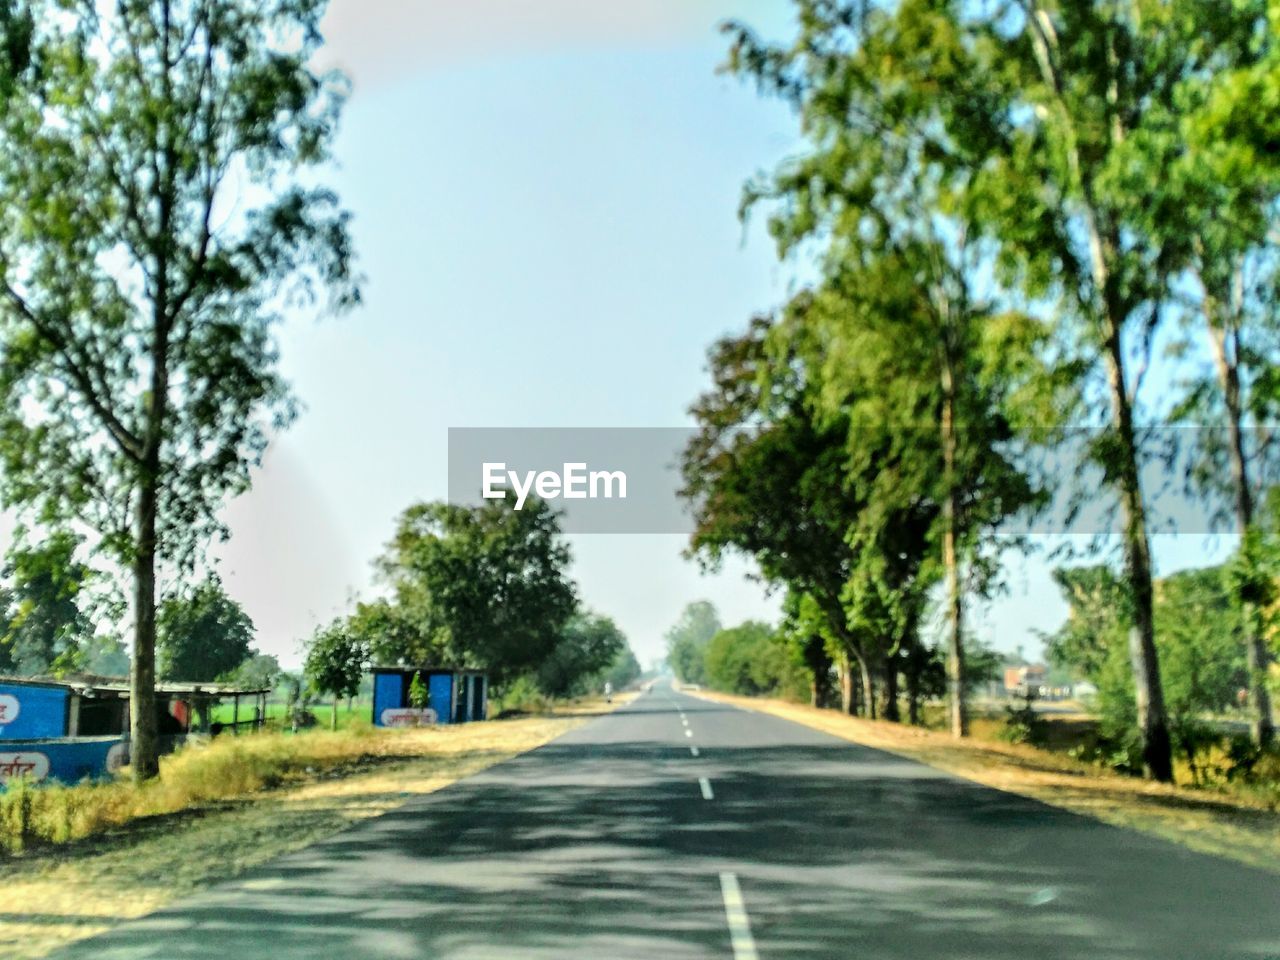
(680, 828)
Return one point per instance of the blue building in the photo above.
(75, 728)
(454, 695)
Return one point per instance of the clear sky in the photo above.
(545, 198)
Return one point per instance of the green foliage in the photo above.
(419, 695)
(1023, 724)
(1201, 658)
(687, 641)
(624, 671)
(481, 587)
(336, 660)
(589, 645)
(160, 214)
(202, 634)
(45, 626)
(751, 660)
(261, 671)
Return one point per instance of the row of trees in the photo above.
(1011, 207)
(484, 587)
(758, 659)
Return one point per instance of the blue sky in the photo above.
(545, 200)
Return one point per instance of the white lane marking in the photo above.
(688, 732)
(705, 784)
(685, 721)
(693, 750)
(735, 912)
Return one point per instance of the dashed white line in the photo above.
(735, 912)
(688, 732)
(693, 750)
(705, 785)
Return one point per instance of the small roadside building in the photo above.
(76, 727)
(454, 695)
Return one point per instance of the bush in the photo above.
(1022, 724)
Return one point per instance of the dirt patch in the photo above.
(1224, 825)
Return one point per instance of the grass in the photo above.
(357, 714)
(96, 854)
(1243, 826)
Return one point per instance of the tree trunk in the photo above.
(868, 689)
(333, 721)
(819, 663)
(891, 711)
(913, 693)
(957, 712)
(848, 701)
(143, 743)
(1153, 725)
(1256, 654)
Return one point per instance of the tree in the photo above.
(481, 586)
(45, 626)
(922, 366)
(749, 659)
(1202, 660)
(688, 638)
(202, 635)
(261, 671)
(157, 220)
(588, 646)
(1226, 182)
(336, 661)
(624, 671)
(765, 478)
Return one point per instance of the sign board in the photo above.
(33, 765)
(407, 717)
(10, 707)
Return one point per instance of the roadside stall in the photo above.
(76, 727)
(453, 695)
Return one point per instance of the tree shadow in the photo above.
(607, 850)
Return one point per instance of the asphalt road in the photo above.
(679, 828)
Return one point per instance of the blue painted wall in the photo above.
(440, 686)
(69, 761)
(41, 711)
(388, 694)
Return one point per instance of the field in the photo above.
(354, 714)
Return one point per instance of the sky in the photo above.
(545, 200)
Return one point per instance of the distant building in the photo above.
(1024, 678)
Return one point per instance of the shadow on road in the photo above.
(608, 850)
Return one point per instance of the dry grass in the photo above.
(220, 809)
(1239, 827)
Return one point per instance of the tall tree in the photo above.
(917, 359)
(485, 586)
(1223, 174)
(687, 641)
(156, 219)
(589, 644)
(202, 634)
